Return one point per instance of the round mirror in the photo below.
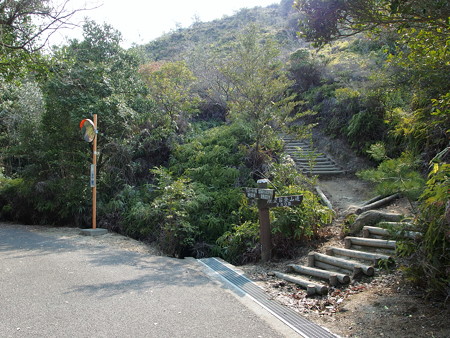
(87, 130)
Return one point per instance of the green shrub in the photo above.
(129, 212)
(13, 200)
(171, 211)
(54, 202)
(363, 128)
(240, 245)
(303, 221)
(396, 175)
(430, 256)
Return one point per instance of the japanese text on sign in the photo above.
(263, 194)
(286, 201)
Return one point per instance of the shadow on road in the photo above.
(149, 272)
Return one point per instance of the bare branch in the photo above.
(24, 22)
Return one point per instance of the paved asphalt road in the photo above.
(58, 287)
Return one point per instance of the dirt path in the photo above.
(346, 192)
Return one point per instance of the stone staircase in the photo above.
(362, 256)
(308, 160)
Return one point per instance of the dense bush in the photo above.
(430, 255)
(14, 202)
(194, 201)
(213, 162)
(291, 226)
(395, 175)
(240, 244)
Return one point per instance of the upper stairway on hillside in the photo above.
(308, 160)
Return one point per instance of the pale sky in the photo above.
(141, 21)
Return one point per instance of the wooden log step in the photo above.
(399, 229)
(332, 277)
(374, 199)
(356, 272)
(308, 285)
(377, 204)
(368, 231)
(394, 225)
(344, 263)
(324, 198)
(375, 258)
(370, 242)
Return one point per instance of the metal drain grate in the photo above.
(301, 325)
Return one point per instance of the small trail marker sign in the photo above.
(266, 199)
(285, 201)
(263, 194)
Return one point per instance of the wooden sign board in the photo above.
(285, 201)
(263, 194)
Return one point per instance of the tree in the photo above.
(418, 60)
(327, 20)
(258, 93)
(91, 76)
(21, 109)
(170, 86)
(25, 28)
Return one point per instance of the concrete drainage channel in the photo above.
(299, 324)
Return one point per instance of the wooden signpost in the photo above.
(265, 199)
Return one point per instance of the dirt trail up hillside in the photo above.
(380, 306)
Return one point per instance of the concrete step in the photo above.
(319, 161)
(297, 145)
(324, 173)
(323, 165)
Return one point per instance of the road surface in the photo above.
(57, 286)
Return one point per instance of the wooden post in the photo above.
(94, 188)
(264, 225)
(265, 199)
